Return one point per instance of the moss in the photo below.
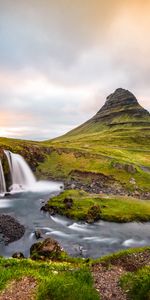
(92, 207)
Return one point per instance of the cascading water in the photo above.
(23, 178)
(2, 180)
(21, 174)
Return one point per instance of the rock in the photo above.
(93, 214)
(132, 181)
(11, 229)
(136, 194)
(47, 249)
(18, 255)
(38, 234)
(73, 186)
(68, 203)
(126, 167)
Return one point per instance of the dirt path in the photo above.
(107, 274)
(23, 289)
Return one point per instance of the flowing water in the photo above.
(2, 180)
(77, 238)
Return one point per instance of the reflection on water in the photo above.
(77, 238)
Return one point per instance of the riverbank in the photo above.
(83, 206)
(121, 276)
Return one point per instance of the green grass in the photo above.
(137, 284)
(112, 208)
(56, 281)
(98, 149)
(92, 150)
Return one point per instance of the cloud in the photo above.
(59, 59)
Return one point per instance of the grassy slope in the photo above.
(72, 279)
(94, 148)
(112, 208)
(98, 151)
(136, 282)
(56, 281)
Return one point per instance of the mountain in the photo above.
(120, 109)
(111, 148)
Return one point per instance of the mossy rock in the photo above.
(94, 214)
(47, 249)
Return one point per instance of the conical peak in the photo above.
(120, 104)
(121, 95)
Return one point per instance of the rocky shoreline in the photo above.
(10, 229)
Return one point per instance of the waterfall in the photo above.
(22, 177)
(21, 174)
(2, 180)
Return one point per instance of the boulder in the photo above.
(47, 249)
(94, 214)
(18, 255)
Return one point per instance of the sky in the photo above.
(60, 59)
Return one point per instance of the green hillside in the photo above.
(116, 142)
(111, 150)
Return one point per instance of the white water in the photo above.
(2, 180)
(21, 174)
(23, 178)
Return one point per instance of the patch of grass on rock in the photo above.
(80, 205)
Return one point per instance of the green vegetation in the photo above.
(56, 281)
(137, 284)
(80, 205)
(100, 151)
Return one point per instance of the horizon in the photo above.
(59, 60)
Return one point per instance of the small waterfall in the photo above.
(2, 180)
(21, 174)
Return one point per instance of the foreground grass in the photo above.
(72, 279)
(91, 207)
(137, 284)
(56, 281)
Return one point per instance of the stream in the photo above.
(79, 239)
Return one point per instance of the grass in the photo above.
(91, 150)
(96, 150)
(137, 284)
(111, 208)
(56, 281)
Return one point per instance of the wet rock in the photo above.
(11, 229)
(38, 234)
(53, 210)
(47, 249)
(18, 255)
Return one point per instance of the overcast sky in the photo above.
(60, 59)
